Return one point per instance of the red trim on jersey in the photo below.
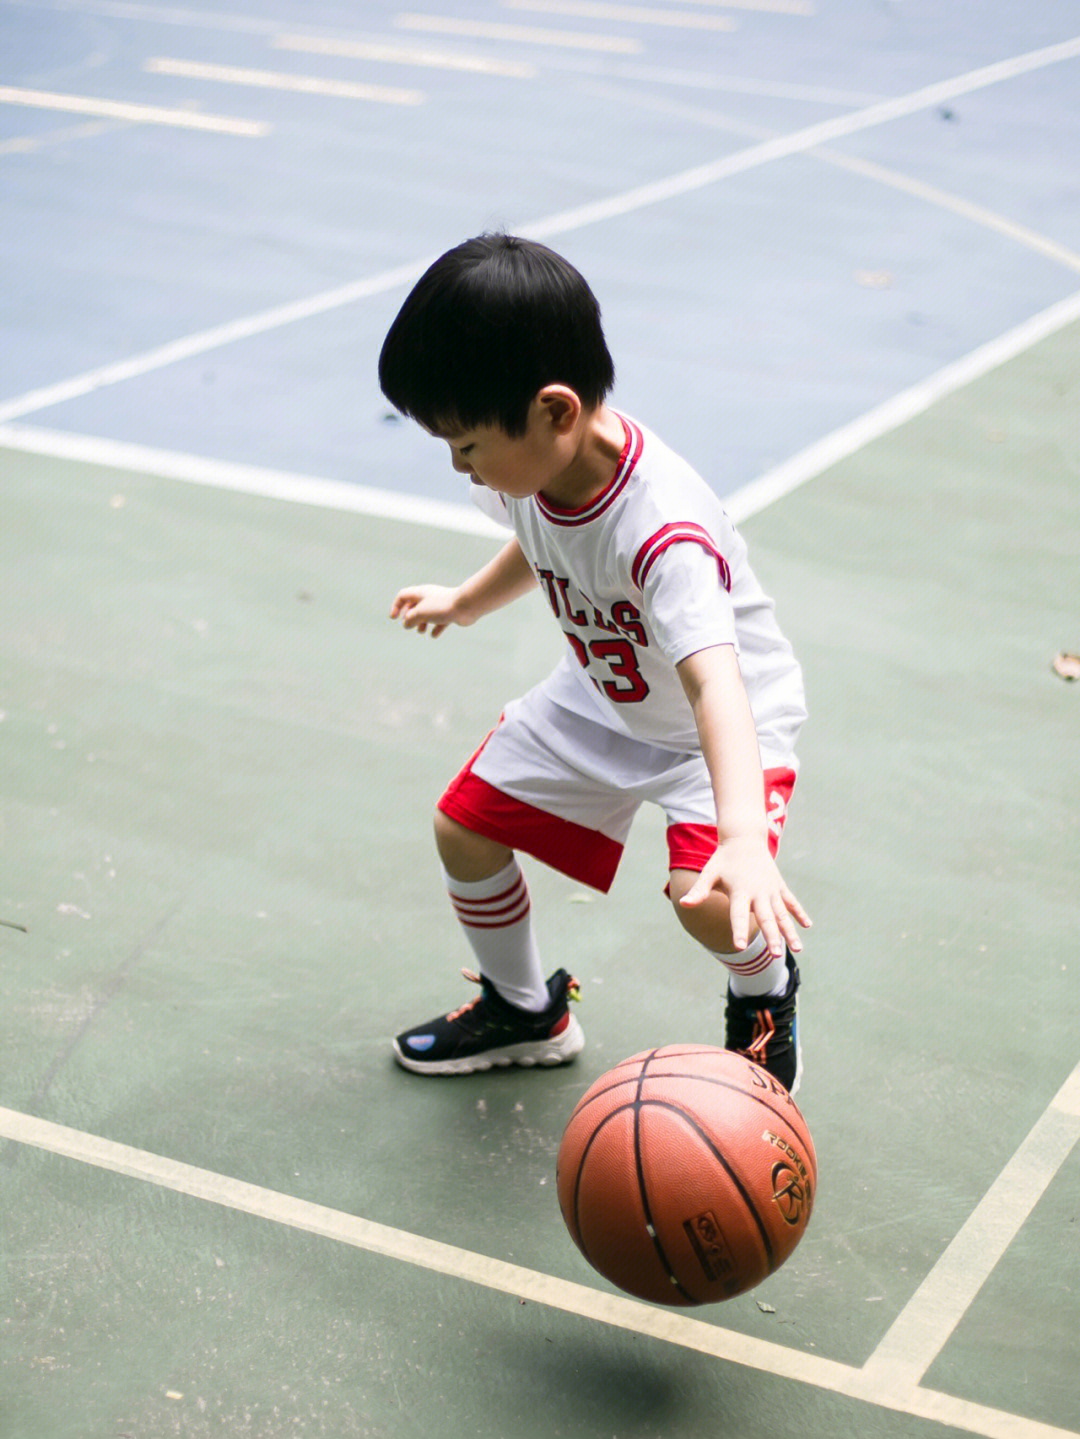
(680, 533)
(582, 854)
(631, 453)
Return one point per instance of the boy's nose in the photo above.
(460, 463)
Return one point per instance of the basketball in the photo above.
(686, 1175)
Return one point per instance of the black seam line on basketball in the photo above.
(714, 1079)
(642, 1190)
(720, 1083)
(703, 1134)
(577, 1192)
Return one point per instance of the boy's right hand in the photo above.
(419, 607)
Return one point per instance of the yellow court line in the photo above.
(141, 114)
(623, 14)
(278, 80)
(405, 55)
(518, 34)
(578, 1299)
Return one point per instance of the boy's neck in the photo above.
(598, 447)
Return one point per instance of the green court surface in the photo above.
(219, 761)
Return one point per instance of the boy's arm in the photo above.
(741, 865)
(501, 580)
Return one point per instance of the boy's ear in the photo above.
(560, 406)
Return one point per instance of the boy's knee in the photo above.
(466, 855)
(708, 923)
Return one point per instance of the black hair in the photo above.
(490, 324)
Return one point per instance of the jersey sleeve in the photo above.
(491, 504)
(687, 601)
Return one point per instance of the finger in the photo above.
(797, 909)
(702, 887)
(770, 929)
(695, 895)
(740, 921)
(787, 929)
(436, 631)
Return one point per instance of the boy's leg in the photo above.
(761, 1015)
(514, 794)
(491, 900)
(751, 971)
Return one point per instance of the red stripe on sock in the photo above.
(496, 923)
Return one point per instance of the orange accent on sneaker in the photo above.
(764, 1029)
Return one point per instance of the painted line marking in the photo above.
(800, 141)
(180, 15)
(31, 144)
(279, 485)
(518, 34)
(405, 55)
(577, 1299)
(142, 114)
(553, 225)
(989, 219)
(841, 443)
(774, 7)
(726, 84)
(868, 169)
(278, 80)
(623, 14)
(212, 339)
(742, 504)
(925, 1324)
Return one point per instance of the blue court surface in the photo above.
(837, 248)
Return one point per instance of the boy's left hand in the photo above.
(747, 873)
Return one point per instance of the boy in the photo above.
(677, 686)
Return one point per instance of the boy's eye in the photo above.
(464, 449)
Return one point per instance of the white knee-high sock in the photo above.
(494, 915)
(751, 970)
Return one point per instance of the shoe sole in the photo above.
(545, 1053)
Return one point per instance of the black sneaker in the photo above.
(489, 1030)
(765, 1027)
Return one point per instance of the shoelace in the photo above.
(573, 992)
(764, 1029)
(473, 978)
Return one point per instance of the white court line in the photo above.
(278, 80)
(406, 55)
(989, 219)
(774, 7)
(906, 184)
(518, 34)
(926, 1323)
(464, 519)
(181, 15)
(562, 223)
(30, 144)
(141, 114)
(577, 1299)
(249, 480)
(623, 14)
(808, 463)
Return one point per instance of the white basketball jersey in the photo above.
(651, 571)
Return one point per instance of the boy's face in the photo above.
(516, 465)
